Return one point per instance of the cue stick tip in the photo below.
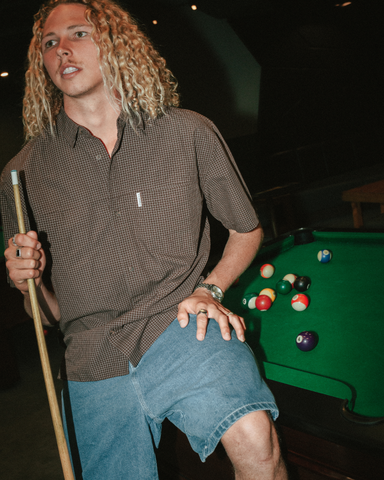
(15, 179)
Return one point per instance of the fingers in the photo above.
(224, 318)
(24, 240)
(205, 307)
(182, 316)
(25, 259)
(202, 323)
(21, 269)
(221, 318)
(238, 325)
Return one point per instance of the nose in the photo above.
(63, 49)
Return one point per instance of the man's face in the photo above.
(69, 54)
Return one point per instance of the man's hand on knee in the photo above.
(202, 304)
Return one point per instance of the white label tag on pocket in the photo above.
(138, 196)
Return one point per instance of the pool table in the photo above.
(346, 311)
(331, 398)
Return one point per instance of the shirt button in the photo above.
(98, 157)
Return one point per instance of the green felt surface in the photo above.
(346, 311)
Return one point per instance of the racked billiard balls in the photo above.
(249, 301)
(263, 303)
(324, 256)
(269, 292)
(302, 284)
(300, 302)
(283, 287)
(267, 270)
(306, 341)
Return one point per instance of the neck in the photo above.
(98, 116)
(91, 114)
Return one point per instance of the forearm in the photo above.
(48, 305)
(240, 250)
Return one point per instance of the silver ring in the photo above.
(202, 310)
(18, 252)
(14, 240)
(230, 313)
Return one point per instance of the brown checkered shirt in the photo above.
(127, 235)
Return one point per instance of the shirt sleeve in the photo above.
(224, 189)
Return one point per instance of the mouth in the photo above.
(68, 70)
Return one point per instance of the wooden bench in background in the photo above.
(371, 193)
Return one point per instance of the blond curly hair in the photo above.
(134, 74)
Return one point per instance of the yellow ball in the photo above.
(270, 292)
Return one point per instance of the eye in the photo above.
(80, 34)
(49, 44)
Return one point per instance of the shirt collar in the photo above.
(68, 128)
(71, 130)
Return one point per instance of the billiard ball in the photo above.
(300, 302)
(267, 270)
(324, 256)
(290, 277)
(269, 292)
(249, 301)
(283, 287)
(306, 341)
(263, 303)
(302, 284)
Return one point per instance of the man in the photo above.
(116, 180)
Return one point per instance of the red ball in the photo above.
(300, 302)
(263, 302)
(267, 270)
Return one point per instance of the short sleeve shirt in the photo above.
(127, 234)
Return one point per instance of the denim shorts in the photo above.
(203, 387)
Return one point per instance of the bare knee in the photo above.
(253, 447)
(251, 432)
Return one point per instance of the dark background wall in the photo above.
(294, 85)
(321, 97)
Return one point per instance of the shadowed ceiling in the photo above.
(261, 24)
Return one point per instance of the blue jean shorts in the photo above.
(203, 387)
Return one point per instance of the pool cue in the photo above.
(52, 399)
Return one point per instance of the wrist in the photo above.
(212, 289)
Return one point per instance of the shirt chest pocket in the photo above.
(165, 219)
